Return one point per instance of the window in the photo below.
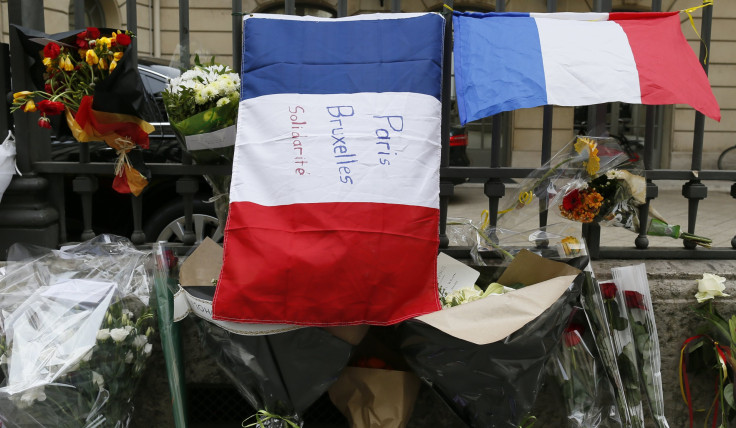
(94, 15)
(303, 9)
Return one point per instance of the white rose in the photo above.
(140, 340)
(31, 395)
(710, 286)
(118, 334)
(103, 334)
(98, 380)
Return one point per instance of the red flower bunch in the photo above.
(70, 75)
(581, 205)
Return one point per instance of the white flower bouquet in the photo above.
(202, 105)
(75, 336)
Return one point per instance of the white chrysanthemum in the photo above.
(223, 101)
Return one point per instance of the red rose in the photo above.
(573, 334)
(122, 39)
(93, 33)
(51, 50)
(81, 41)
(609, 290)
(44, 122)
(571, 200)
(51, 108)
(634, 299)
(47, 88)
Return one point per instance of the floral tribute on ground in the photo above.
(76, 333)
(591, 180)
(86, 77)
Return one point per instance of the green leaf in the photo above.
(728, 395)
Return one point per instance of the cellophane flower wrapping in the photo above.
(75, 334)
(604, 305)
(281, 373)
(489, 383)
(576, 368)
(578, 162)
(202, 105)
(632, 281)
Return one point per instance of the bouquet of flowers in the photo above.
(581, 159)
(584, 385)
(75, 335)
(85, 76)
(596, 312)
(623, 342)
(613, 199)
(712, 350)
(202, 105)
(633, 281)
(491, 376)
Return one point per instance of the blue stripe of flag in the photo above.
(498, 64)
(318, 57)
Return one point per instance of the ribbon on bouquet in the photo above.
(685, 383)
(122, 132)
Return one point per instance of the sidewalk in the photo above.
(716, 213)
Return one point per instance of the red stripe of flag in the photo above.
(328, 247)
(669, 71)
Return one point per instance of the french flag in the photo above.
(506, 61)
(334, 200)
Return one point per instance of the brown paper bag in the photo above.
(375, 398)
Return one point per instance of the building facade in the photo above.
(211, 35)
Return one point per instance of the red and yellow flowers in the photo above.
(581, 205)
(71, 74)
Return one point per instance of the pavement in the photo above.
(716, 214)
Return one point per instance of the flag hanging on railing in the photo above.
(334, 210)
(506, 61)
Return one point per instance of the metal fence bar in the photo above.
(694, 190)
(446, 187)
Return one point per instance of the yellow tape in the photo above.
(689, 12)
(525, 198)
(484, 220)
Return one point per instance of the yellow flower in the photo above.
(21, 95)
(46, 61)
(117, 55)
(104, 41)
(593, 164)
(66, 64)
(113, 64)
(91, 57)
(102, 64)
(29, 107)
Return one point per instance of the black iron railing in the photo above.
(35, 210)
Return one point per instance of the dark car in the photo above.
(163, 207)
